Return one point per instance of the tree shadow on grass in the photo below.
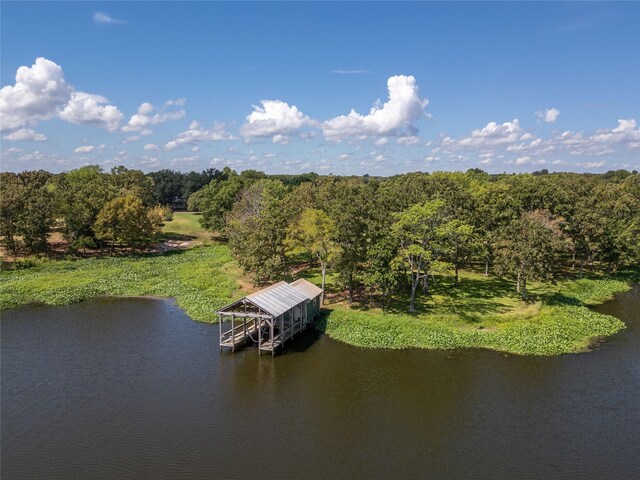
(179, 237)
(472, 297)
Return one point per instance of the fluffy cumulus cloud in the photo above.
(93, 109)
(396, 117)
(550, 115)
(145, 118)
(276, 119)
(196, 133)
(42, 93)
(494, 134)
(25, 134)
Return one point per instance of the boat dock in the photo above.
(270, 316)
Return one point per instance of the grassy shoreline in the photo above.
(482, 313)
(559, 322)
(201, 280)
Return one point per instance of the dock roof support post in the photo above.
(271, 335)
(233, 336)
(220, 330)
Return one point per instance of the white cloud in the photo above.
(151, 146)
(274, 118)
(396, 117)
(592, 164)
(492, 134)
(592, 150)
(40, 93)
(141, 121)
(280, 139)
(85, 149)
(195, 149)
(550, 115)
(627, 130)
(25, 134)
(132, 138)
(196, 133)
(179, 102)
(106, 19)
(87, 108)
(408, 140)
(11, 151)
(381, 141)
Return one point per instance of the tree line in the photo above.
(96, 209)
(91, 208)
(391, 235)
(380, 236)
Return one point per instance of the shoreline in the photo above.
(571, 327)
(555, 330)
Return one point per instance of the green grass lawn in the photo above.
(186, 226)
(201, 279)
(485, 312)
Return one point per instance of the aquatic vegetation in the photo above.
(200, 279)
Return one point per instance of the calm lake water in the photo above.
(132, 388)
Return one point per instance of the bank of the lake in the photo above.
(482, 312)
(201, 280)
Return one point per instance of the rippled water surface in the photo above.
(132, 388)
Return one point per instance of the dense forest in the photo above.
(378, 236)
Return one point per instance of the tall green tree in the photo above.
(133, 182)
(36, 218)
(529, 248)
(256, 229)
(382, 273)
(458, 242)
(80, 195)
(217, 199)
(313, 233)
(124, 220)
(26, 210)
(419, 244)
(348, 203)
(12, 196)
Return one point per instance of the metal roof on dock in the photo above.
(277, 298)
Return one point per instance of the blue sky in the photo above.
(433, 86)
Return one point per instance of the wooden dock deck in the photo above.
(241, 334)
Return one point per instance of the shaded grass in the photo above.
(201, 280)
(483, 312)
